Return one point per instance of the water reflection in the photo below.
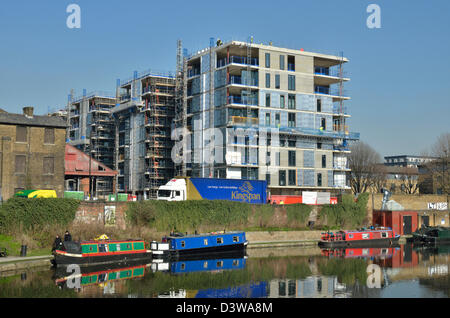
(405, 271)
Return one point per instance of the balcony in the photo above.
(238, 80)
(243, 100)
(238, 60)
(238, 120)
(325, 90)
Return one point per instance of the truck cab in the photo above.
(174, 190)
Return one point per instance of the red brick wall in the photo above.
(94, 213)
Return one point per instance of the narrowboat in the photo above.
(360, 252)
(186, 246)
(432, 234)
(100, 274)
(380, 236)
(87, 253)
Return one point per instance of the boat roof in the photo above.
(110, 241)
(205, 234)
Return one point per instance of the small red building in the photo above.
(80, 168)
(402, 222)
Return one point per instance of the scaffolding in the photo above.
(159, 98)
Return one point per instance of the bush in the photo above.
(20, 214)
(346, 213)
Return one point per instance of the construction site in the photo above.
(289, 103)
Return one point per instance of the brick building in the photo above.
(31, 152)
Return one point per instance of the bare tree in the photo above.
(363, 162)
(379, 177)
(409, 180)
(440, 166)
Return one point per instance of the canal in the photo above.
(295, 272)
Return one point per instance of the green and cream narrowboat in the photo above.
(88, 253)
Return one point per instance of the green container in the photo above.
(78, 195)
(112, 197)
(122, 197)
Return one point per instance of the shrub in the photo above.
(20, 214)
(346, 213)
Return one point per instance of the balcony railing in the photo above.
(238, 60)
(329, 91)
(235, 79)
(237, 120)
(243, 100)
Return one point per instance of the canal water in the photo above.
(296, 272)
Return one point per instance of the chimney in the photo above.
(28, 111)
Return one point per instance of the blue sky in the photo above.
(400, 86)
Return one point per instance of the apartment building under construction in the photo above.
(143, 122)
(91, 130)
(279, 113)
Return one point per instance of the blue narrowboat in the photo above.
(185, 246)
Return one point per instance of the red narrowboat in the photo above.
(372, 237)
(360, 252)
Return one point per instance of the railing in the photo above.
(125, 97)
(233, 120)
(337, 109)
(233, 99)
(329, 91)
(238, 60)
(193, 72)
(235, 79)
(319, 70)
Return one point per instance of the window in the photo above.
(291, 82)
(220, 240)
(205, 242)
(323, 125)
(235, 239)
(267, 80)
(48, 165)
(282, 177)
(49, 136)
(292, 177)
(319, 105)
(277, 120)
(291, 101)
(267, 60)
(20, 163)
(291, 63)
(319, 179)
(291, 158)
(324, 161)
(282, 101)
(281, 62)
(319, 145)
(21, 134)
(268, 178)
(277, 80)
(183, 243)
(291, 143)
(268, 100)
(384, 234)
(268, 158)
(267, 119)
(291, 120)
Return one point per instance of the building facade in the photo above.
(257, 111)
(31, 153)
(143, 120)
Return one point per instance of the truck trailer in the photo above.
(185, 188)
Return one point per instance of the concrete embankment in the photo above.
(13, 264)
